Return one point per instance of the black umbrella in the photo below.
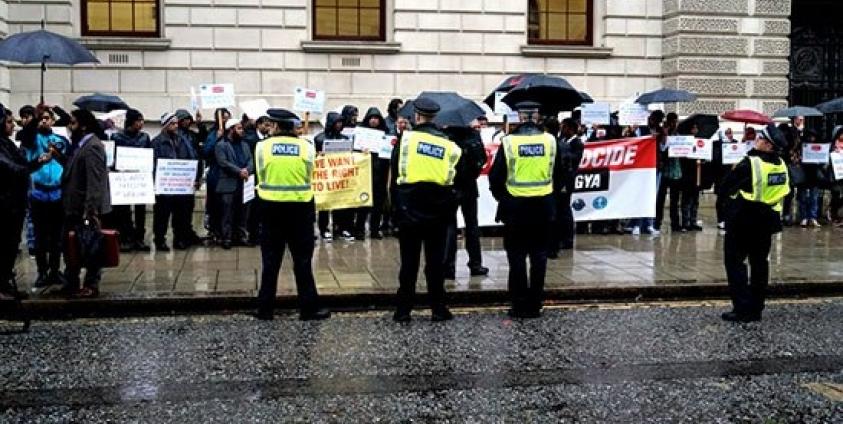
(707, 125)
(795, 111)
(454, 110)
(553, 93)
(44, 47)
(99, 102)
(505, 86)
(831, 106)
(666, 95)
(586, 98)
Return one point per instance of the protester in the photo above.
(646, 225)
(571, 149)
(260, 131)
(691, 182)
(234, 158)
(380, 178)
(671, 179)
(333, 131)
(132, 233)
(724, 138)
(836, 185)
(86, 196)
(344, 218)
(392, 116)
(808, 187)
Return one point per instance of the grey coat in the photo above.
(85, 181)
(229, 168)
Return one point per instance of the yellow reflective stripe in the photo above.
(260, 162)
(452, 168)
(403, 159)
(757, 179)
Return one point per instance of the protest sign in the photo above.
(502, 108)
(342, 181)
(133, 159)
(702, 150)
(131, 188)
(109, 153)
(174, 176)
(306, 100)
(815, 152)
(595, 113)
(367, 139)
(249, 189)
(680, 146)
(837, 165)
(254, 109)
(213, 96)
(337, 146)
(734, 152)
(389, 142)
(633, 114)
(194, 101)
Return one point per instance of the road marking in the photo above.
(833, 392)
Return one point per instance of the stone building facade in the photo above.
(732, 53)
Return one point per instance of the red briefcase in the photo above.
(110, 249)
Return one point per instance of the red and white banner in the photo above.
(616, 180)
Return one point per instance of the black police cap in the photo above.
(281, 115)
(425, 106)
(774, 135)
(527, 106)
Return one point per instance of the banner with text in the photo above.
(342, 181)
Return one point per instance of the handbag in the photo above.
(88, 246)
(797, 174)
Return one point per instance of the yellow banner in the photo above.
(342, 181)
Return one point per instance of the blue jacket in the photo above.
(46, 181)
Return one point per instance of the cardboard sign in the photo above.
(131, 188)
(595, 113)
(342, 181)
(633, 114)
(249, 189)
(389, 142)
(306, 100)
(680, 146)
(367, 139)
(174, 176)
(109, 153)
(254, 109)
(815, 152)
(837, 165)
(734, 152)
(213, 96)
(133, 159)
(337, 146)
(702, 150)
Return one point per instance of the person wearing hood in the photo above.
(756, 188)
(380, 179)
(234, 158)
(836, 184)
(392, 116)
(194, 139)
(344, 218)
(132, 234)
(333, 131)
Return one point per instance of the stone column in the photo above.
(731, 53)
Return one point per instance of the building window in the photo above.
(349, 20)
(560, 22)
(132, 18)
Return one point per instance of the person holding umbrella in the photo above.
(757, 186)
(526, 172)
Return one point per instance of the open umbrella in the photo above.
(707, 125)
(508, 84)
(455, 110)
(666, 95)
(553, 93)
(99, 102)
(795, 111)
(747, 116)
(831, 106)
(586, 98)
(44, 47)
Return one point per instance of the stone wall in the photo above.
(4, 71)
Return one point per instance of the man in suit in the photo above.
(234, 157)
(86, 192)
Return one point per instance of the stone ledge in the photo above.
(125, 43)
(566, 51)
(371, 47)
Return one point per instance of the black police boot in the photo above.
(740, 317)
(315, 315)
(477, 271)
(402, 315)
(441, 313)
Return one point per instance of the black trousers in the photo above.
(233, 215)
(178, 208)
(690, 205)
(747, 292)
(468, 205)
(563, 228)
(48, 221)
(11, 225)
(411, 237)
(253, 220)
(674, 188)
(132, 226)
(344, 220)
(836, 201)
(787, 211)
(72, 273)
(278, 234)
(521, 242)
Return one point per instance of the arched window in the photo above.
(560, 22)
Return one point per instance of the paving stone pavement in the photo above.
(371, 266)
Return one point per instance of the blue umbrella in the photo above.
(99, 102)
(44, 47)
(666, 95)
(831, 106)
(794, 111)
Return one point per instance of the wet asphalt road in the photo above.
(656, 363)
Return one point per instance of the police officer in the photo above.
(424, 166)
(528, 168)
(284, 167)
(756, 189)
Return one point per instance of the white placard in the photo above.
(367, 139)
(133, 159)
(131, 188)
(595, 113)
(815, 152)
(174, 176)
(734, 152)
(389, 141)
(837, 165)
(680, 146)
(337, 146)
(702, 150)
(249, 189)
(254, 109)
(213, 96)
(194, 101)
(487, 135)
(109, 153)
(348, 132)
(633, 114)
(307, 100)
(502, 108)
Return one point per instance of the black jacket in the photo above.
(525, 210)
(423, 202)
(126, 138)
(743, 215)
(329, 133)
(167, 146)
(14, 172)
(571, 153)
(474, 155)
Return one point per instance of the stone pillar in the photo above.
(731, 53)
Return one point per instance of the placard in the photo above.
(348, 132)
(131, 188)
(367, 139)
(837, 165)
(254, 109)
(174, 176)
(342, 181)
(249, 189)
(734, 152)
(109, 153)
(595, 113)
(633, 114)
(213, 96)
(680, 146)
(388, 144)
(133, 159)
(307, 100)
(702, 150)
(502, 108)
(337, 146)
(815, 152)
(487, 135)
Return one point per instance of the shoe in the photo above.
(479, 271)
(88, 293)
(695, 227)
(327, 237)
(162, 247)
(402, 315)
(636, 231)
(41, 281)
(815, 224)
(736, 317)
(804, 223)
(440, 314)
(450, 275)
(140, 246)
(377, 235)
(179, 245)
(7, 291)
(226, 245)
(676, 229)
(359, 236)
(263, 315)
(345, 235)
(721, 225)
(653, 231)
(566, 246)
(315, 315)
(126, 247)
(553, 255)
